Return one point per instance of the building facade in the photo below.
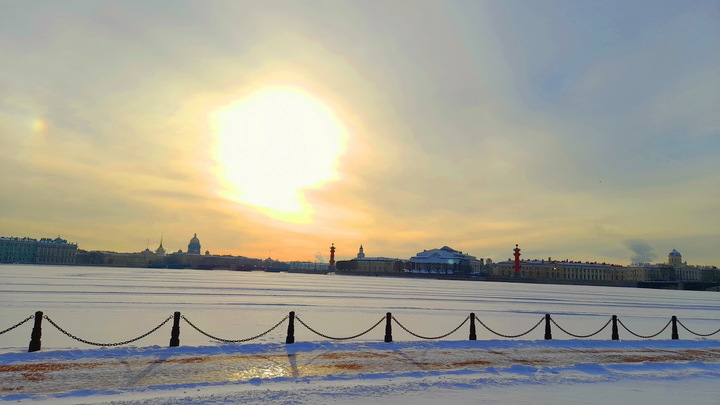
(362, 264)
(675, 270)
(33, 251)
(605, 273)
(445, 261)
(564, 270)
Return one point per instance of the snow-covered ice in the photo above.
(111, 305)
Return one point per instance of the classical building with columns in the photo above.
(445, 260)
(43, 251)
(562, 270)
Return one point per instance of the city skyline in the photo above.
(576, 130)
(645, 255)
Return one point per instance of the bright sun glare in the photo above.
(274, 144)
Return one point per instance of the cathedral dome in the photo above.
(194, 245)
(675, 253)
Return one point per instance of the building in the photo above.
(675, 258)
(43, 251)
(445, 261)
(370, 265)
(361, 253)
(18, 250)
(160, 251)
(675, 270)
(194, 246)
(307, 267)
(567, 271)
(55, 251)
(563, 271)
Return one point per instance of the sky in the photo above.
(576, 129)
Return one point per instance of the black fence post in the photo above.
(36, 334)
(473, 335)
(291, 328)
(548, 332)
(175, 333)
(388, 327)
(615, 334)
(674, 328)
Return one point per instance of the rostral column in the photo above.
(332, 256)
(517, 260)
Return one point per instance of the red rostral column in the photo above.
(517, 259)
(332, 256)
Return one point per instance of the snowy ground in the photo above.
(314, 373)
(110, 305)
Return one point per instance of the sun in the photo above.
(273, 145)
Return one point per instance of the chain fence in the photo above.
(695, 333)
(430, 338)
(18, 324)
(511, 336)
(644, 336)
(389, 318)
(581, 336)
(70, 335)
(236, 340)
(339, 338)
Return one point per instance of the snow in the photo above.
(102, 304)
(346, 372)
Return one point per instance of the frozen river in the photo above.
(108, 305)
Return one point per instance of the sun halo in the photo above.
(273, 145)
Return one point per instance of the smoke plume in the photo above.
(319, 257)
(642, 251)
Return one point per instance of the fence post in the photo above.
(473, 335)
(615, 334)
(388, 327)
(674, 328)
(548, 332)
(175, 333)
(291, 328)
(36, 334)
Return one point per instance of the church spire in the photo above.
(160, 250)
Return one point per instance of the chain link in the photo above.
(641, 336)
(339, 338)
(695, 333)
(18, 324)
(105, 344)
(237, 340)
(430, 338)
(512, 336)
(581, 336)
